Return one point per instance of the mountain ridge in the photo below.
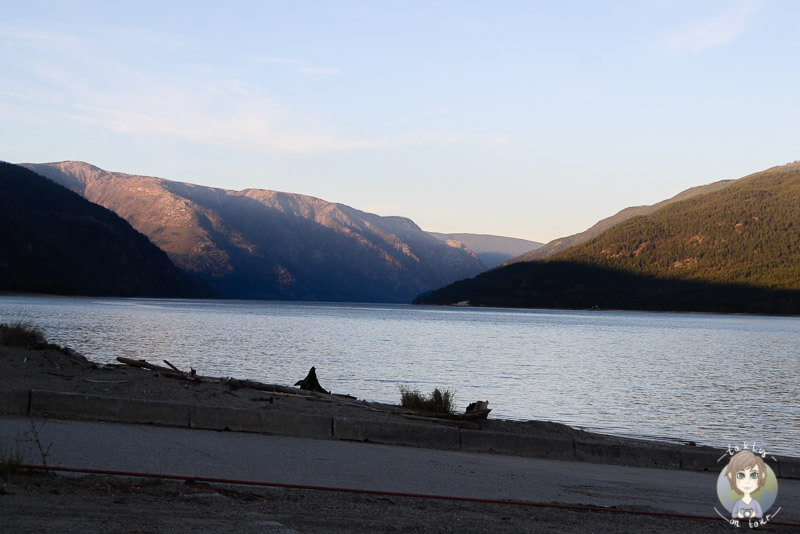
(735, 248)
(491, 249)
(561, 244)
(746, 233)
(258, 243)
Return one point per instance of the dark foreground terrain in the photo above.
(33, 502)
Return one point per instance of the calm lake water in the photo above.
(713, 379)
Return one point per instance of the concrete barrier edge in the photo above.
(15, 402)
(261, 421)
(397, 433)
(76, 405)
(79, 406)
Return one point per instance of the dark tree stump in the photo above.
(311, 383)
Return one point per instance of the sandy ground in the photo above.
(37, 502)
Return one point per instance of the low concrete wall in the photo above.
(262, 421)
(15, 402)
(74, 405)
(554, 448)
(787, 467)
(627, 453)
(432, 435)
(397, 433)
(701, 459)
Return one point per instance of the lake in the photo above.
(712, 379)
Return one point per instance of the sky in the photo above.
(530, 119)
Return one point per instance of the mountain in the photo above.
(747, 233)
(563, 243)
(733, 249)
(272, 245)
(54, 241)
(491, 249)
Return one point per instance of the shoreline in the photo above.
(59, 383)
(278, 349)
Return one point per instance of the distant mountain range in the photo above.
(272, 245)
(491, 249)
(53, 241)
(732, 246)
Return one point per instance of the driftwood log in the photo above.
(236, 383)
(310, 382)
(167, 371)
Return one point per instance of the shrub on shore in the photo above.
(438, 402)
(21, 335)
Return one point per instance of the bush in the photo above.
(439, 402)
(10, 462)
(20, 335)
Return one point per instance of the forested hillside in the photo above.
(564, 243)
(735, 249)
(747, 233)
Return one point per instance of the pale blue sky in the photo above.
(530, 119)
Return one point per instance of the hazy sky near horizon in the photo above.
(530, 119)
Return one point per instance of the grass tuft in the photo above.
(10, 463)
(21, 335)
(438, 402)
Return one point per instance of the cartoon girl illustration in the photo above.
(746, 474)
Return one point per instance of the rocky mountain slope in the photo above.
(54, 241)
(491, 249)
(267, 244)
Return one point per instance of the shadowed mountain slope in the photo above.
(267, 244)
(54, 241)
(570, 285)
